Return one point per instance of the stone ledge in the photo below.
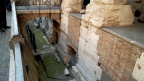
(114, 31)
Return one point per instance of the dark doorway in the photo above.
(56, 30)
(85, 3)
(72, 52)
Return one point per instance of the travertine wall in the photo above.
(99, 13)
(73, 32)
(87, 52)
(67, 6)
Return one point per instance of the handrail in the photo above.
(19, 74)
(15, 24)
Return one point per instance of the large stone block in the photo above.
(64, 23)
(91, 52)
(71, 5)
(110, 1)
(101, 15)
(62, 41)
(92, 72)
(138, 72)
(81, 44)
(77, 74)
(142, 56)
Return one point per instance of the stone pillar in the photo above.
(99, 13)
(68, 6)
(106, 13)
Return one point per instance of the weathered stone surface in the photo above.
(138, 72)
(66, 72)
(71, 5)
(102, 15)
(64, 23)
(74, 31)
(110, 1)
(142, 56)
(77, 74)
(87, 53)
(67, 59)
(62, 41)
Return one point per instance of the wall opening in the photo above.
(56, 30)
(85, 3)
(72, 52)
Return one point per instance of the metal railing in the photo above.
(15, 46)
(38, 3)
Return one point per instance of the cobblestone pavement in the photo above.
(5, 51)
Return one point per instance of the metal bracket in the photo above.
(16, 38)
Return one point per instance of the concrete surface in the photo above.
(5, 51)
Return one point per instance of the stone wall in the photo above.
(117, 57)
(73, 31)
(30, 66)
(87, 52)
(138, 69)
(99, 13)
(67, 7)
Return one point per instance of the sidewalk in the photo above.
(5, 51)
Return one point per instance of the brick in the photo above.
(118, 56)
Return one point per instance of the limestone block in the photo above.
(110, 1)
(71, 9)
(67, 59)
(77, 74)
(91, 52)
(83, 31)
(142, 56)
(62, 41)
(66, 72)
(138, 72)
(75, 69)
(64, 23)
(71, 5)
(92, 72)
(91, 68)
(61, 53)
(109, 15)
(89, 34)
(81, 45)
(95, 71)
